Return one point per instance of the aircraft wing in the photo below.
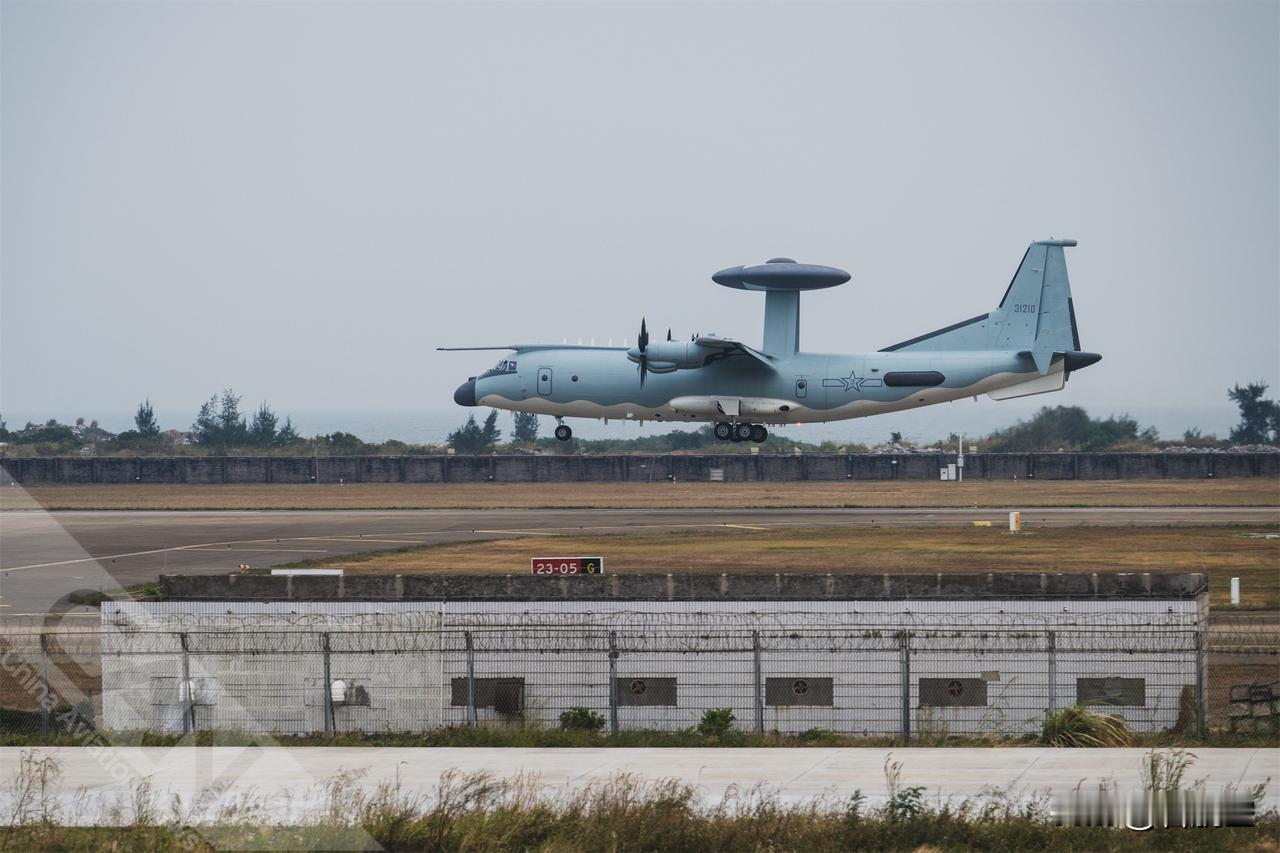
(527, 347)
(730, 345)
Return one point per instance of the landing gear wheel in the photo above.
(759, 433)
(722, 431)
(742, 432)
(564, 433)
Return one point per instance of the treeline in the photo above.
(1071, 428)
(222, 427)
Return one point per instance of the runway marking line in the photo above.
(520, 532)
(359, 539)
(263, 550)
(745, 527)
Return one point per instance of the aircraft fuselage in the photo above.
(803, 388)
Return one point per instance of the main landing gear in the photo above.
(563, 432)
(726, 431)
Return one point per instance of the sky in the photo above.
(301, 201)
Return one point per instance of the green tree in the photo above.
(219, 423)
(262, 429)
(343, 442)
(55, 436)
(490, 432)
(1068, 428)
(145, 420)
(471, 437)
(1259, 417)
(526, 427)
(287, 435)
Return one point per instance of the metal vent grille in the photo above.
(1111, 691)
(798, 691)
(504, 695)
(953, 692)
(645, 691)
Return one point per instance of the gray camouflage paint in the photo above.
(1028, 344)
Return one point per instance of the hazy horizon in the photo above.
(920, 425)
(301, 201)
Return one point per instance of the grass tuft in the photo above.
(1081, 727)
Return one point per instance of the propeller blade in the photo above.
(643, 370)
(642, 342)
(668, 333)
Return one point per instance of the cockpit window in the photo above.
(505, 366)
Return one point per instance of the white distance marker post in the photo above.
(1235, 591)
(1015, 522)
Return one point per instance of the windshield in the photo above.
(507, 365)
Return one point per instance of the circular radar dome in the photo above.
(781, 274)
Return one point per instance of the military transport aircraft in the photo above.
(1027, 345)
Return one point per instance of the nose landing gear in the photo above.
(725, 431)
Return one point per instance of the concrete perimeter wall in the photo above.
(737, 468)
(687, 587)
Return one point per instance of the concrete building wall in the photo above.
(734, 468)
(261, 666)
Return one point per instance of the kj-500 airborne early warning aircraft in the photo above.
(1028, 345)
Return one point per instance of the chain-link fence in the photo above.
(374, 672)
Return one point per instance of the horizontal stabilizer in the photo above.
(1052, 380)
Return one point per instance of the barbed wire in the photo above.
(636, 631)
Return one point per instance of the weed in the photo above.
(581, 719)
(716, 723)
(1162, 772)
(1076, 727)
(906, 802)
(33, 789)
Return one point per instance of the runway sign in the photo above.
(567, 565)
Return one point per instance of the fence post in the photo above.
(1202, 722)
(188, 689)
(471, 681)
(328, 686)
(46, 699)
(1051, 646)
(904, 674)
(759, 697)
(613, 682)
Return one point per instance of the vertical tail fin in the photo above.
(1035, 315)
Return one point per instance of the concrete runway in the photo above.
(289, 779)
(44, 555)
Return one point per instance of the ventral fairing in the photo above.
(1028, 344)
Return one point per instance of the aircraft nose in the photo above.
(466, 393)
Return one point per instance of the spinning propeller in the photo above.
(642, 344)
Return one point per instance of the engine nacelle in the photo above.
(669, 356)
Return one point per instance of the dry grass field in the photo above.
(1224, 552)
(999, 493)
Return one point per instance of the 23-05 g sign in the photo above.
(567, 565)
